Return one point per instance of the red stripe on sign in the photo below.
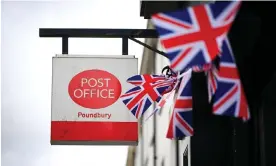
(94, 131)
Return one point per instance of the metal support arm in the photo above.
(149, 47)
(124, 34)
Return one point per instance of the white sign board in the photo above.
(86, 108)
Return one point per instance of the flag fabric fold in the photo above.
(229, 97)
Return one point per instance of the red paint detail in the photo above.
(94, 89)
(93, 131)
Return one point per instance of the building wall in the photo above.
(148, 139)
(153, 63)
(138, 149)
(144, 150)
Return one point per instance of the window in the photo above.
(163, 162)
(152, 142)
(185, 157)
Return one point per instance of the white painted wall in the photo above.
(144, 146)
(138, 151)
(148, 138)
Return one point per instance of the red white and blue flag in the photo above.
(140, 98)
(192, 38)
(194, 35)
(148, 78)
(141, 79)
(229, 97)
(202, 68)
(168, 95)
(209, 70)
(212, 84)
(181, 121)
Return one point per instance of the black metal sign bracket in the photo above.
(124, 34)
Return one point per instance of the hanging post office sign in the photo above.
(86, 108)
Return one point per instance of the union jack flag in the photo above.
(211, 82)
(229, 98)
(141, 79)
(209, 70)
(164, 99)
(181, 121)
(140, 98)
(194, 35)
(202, 68)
